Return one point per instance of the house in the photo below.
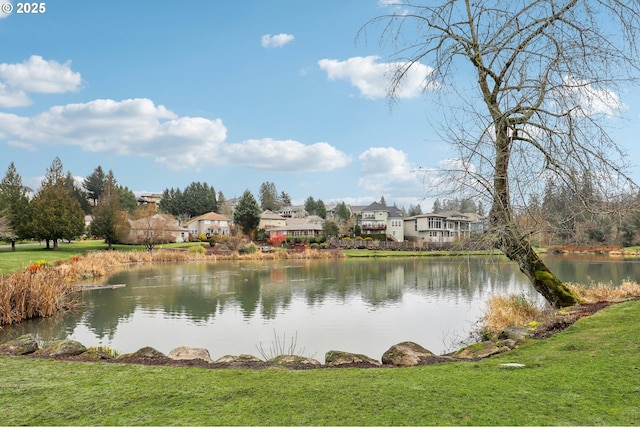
(209, 224)
(378, 218)
(269, 220)
(293, 212)
(150, 199)
(298, 228)
(443, 227)
(155, 229)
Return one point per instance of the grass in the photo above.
(586, 375)
(374, 253)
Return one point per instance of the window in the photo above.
(435, 222)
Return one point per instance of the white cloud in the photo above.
(590, 99)
(372, 78)
(279, 40)
(35, 75)
(138, 127)
(287, 155)
(388, 171)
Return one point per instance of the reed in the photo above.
(606, 292)
(504, 311)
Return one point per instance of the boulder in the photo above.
(342, 359)
(190, 353)
(478, 350)
(295, 362)
(516, 334)
(64, 347)
(25, 344)
(96, 354)
(411, 354)
(241, 361)
(145, 353)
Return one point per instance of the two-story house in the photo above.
(209, 224)
(378, 218)
(269, 220)
(444, 227)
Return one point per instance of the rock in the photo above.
(96, 354)
(411, 354)
(144, 352)
(190, 353)
(62, 348)
(478, 351)
(342, 359)
(25, 344)
(508, 344)
(295, 362)
(242, 361)
(516, 334)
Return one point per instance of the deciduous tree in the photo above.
(545, 74)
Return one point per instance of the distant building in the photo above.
(209, 224)
(443, 227)
(378, 218)
(269, 220)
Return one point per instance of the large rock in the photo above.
(241, 361)
(295, 362)
(62, 348)
(25, 344)
(342, 359)
(144, 353)
(190, 353)
(411, 354)
(479, 350)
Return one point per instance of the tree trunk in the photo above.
(518, 248)
(13, 245)
(510, 240)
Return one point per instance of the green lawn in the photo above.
(28, 253)
(587, 375)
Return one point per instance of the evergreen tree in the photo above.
(14, 206)
(468, 206)
(55, 213)
(94, 184)
(127, 199)
(437, 206)
(223, 205)
(78, 193)
(284, 199)
(310, 205)
(247, 213)
(269, 197)
(342, 213)
(415, 210)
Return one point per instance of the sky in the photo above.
(233, 93)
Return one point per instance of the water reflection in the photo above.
(363, 306)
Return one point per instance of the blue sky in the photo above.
(229, 92)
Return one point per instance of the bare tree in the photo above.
(545, 77)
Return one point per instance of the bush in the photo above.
(249, 248)
(202, 237)
(196, 250)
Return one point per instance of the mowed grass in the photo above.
(586, 375)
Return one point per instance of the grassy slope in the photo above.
(587, 375)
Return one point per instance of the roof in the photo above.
(270, 215)
(394, 211)
(211, 216)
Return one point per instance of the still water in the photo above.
(361, 306)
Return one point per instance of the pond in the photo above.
(313, 306)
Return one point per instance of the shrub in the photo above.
(249, 248)
(197, 250)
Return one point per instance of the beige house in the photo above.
(444, 227)
(209, 224)
(269, 220)
(298, 228)
(155, 229)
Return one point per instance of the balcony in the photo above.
(374, 227)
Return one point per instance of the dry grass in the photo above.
(35, 292)
(516, 311)
(509, 311)
(606, 292)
